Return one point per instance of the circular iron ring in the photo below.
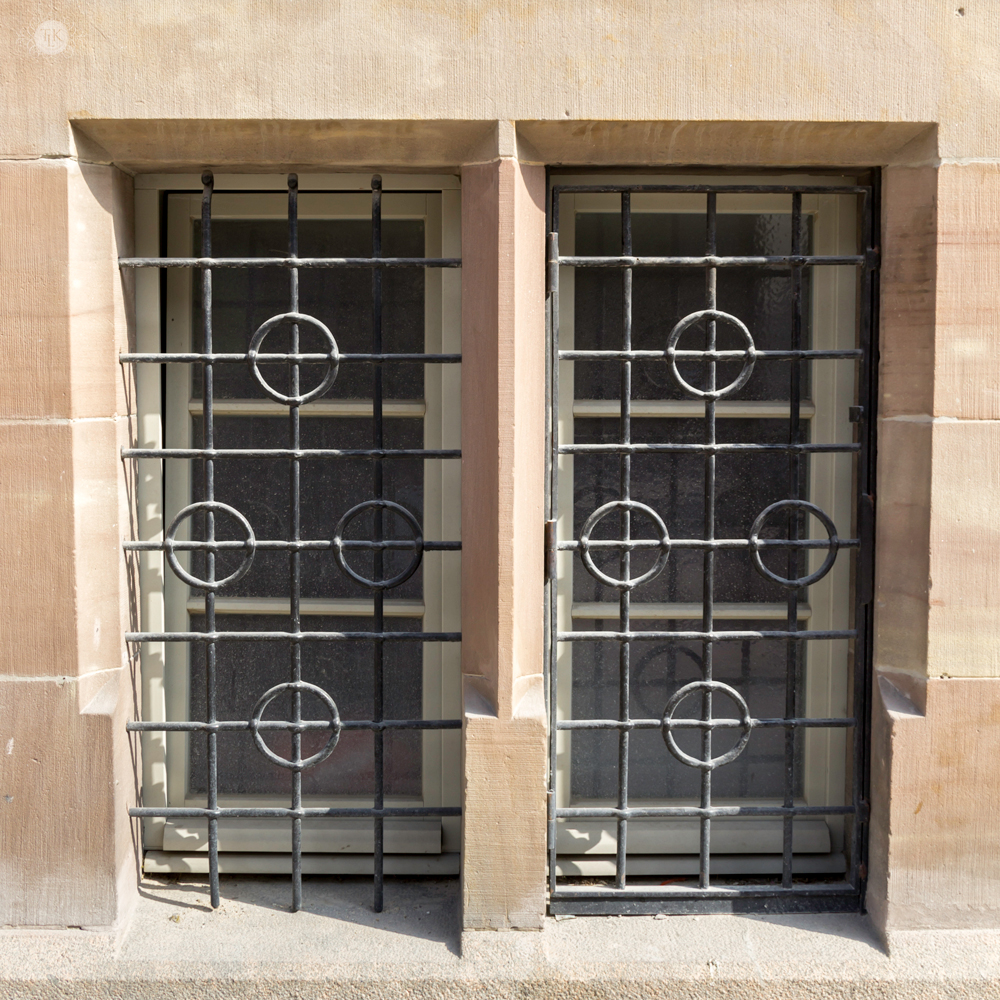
(169, 542)
(756, 544)
(600, 514)
(749, 354)
(418, 544)
(333, 357)
(669, 724)
(267, 697)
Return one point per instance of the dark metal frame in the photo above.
(845, 895)
(294, 545)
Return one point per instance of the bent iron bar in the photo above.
(294, 454)
(706, 897)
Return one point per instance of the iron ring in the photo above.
(222, 508)
(756, 545)
(333, 357)
(418, 543)
(749, 354)
(668, 724)
(600, 514)
(268, 696)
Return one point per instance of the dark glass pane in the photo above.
(756, 669)
(661, 297)
(258, 488)
(341, 298)
(673, 484)
(245, 670)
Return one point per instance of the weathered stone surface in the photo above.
(935, 806)
(966, 365)
(503, 434)
(337, 947)
(630, 60)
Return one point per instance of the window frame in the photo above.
(165, 206)
(845, 226)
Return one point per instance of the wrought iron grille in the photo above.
(292, 392)
(634, 547)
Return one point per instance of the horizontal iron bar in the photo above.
(309, 545)
(698, 543)
(778, 260)
(558, 189)
(702, 449)
(294, 636)
(580, 893)
(803, 355)
(804, 636)
(292, 359)
(295, 727)
(692, 903)
(706, 724)
(291, 453)
(710, 812)
(233, 812)
(310, 262)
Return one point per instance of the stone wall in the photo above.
(495, 90)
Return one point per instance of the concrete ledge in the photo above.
(175, 946)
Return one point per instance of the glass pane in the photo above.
(341, 298)
(258, 487)
(246, 670)
(673, 484)
(756, 669)
(663, 296)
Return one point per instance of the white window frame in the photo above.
(412, 846)
(752, 844)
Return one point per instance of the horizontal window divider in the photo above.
(319, 408)
(572, 545)
(307, 262)
(715, 449)
(682, 612)
(735, 636)
(615, 724)
(778, 260)
(291, 453)
(189, 358)
(687, 408)
(798, 355)
(305, 545)
(558, 189)
(332, 606)
(697, 812)
(249, 812)
(306, 725)
(297, 636)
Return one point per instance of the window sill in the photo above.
(338, 947)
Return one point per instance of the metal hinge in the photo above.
(550, 550)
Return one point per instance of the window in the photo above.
(299, 539)
(711, 456)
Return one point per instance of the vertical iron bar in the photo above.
(294, 535)
(868, 298)
(792, 649)
(625, 519)
(377, 535)
(208, 432)
(553, 651)
(708, 563)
